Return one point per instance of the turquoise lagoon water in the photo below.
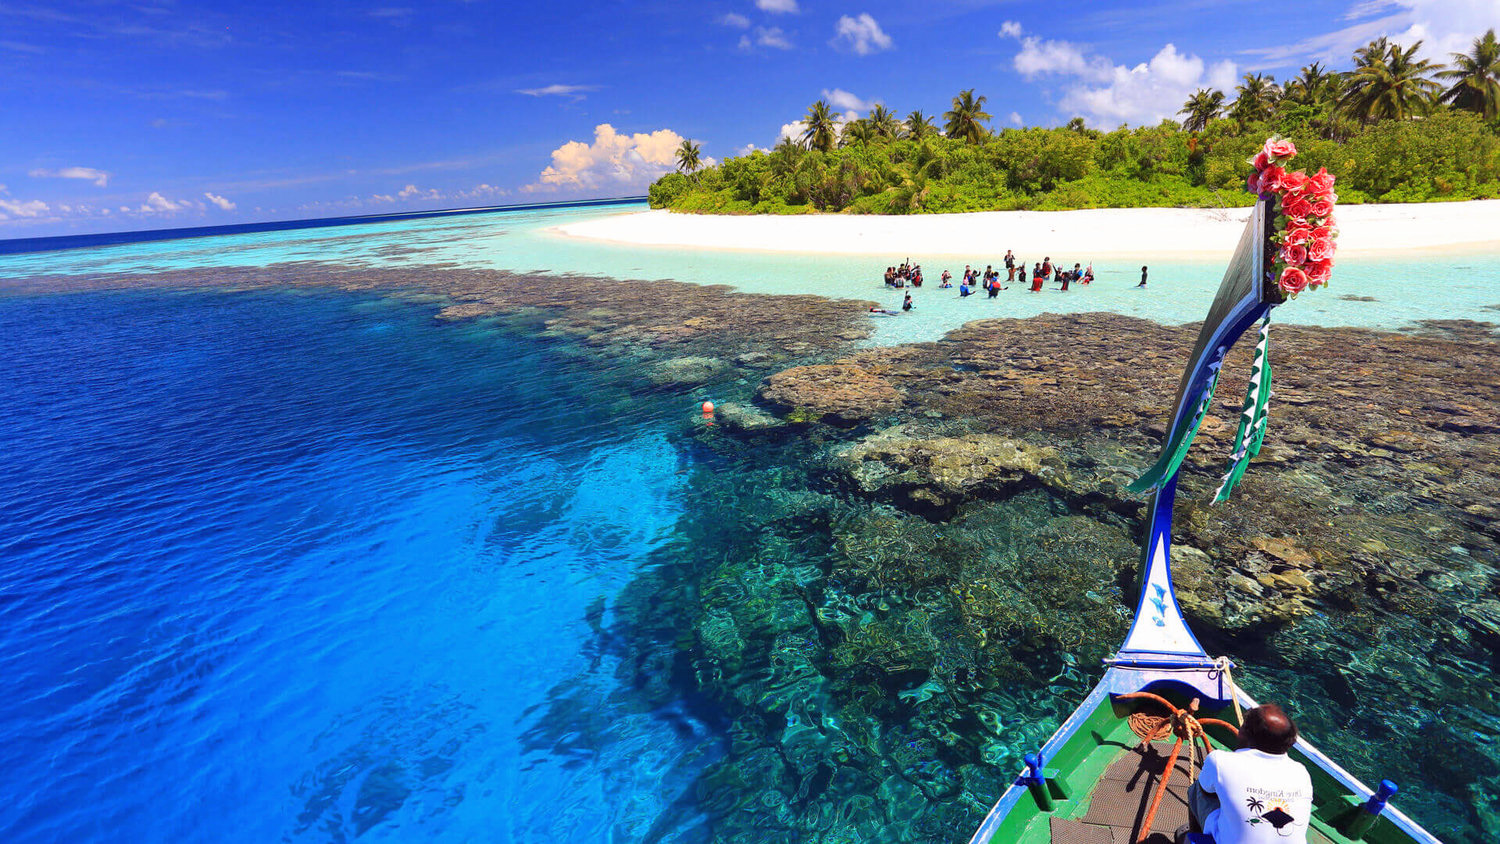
(310, 566)
(1400, 292)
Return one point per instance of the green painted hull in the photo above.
(1099, 736)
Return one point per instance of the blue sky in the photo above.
(117, 116)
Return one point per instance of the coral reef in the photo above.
(899, 567)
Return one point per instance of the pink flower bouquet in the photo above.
(1305, 234)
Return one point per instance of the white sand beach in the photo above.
(1365, 230)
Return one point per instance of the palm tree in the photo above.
(1314, 86)
(1374, 51)
(1255, 98)
(785, 155)
(688, 159)
(822, 126)
(884, 123)
(1476, 85)
(919, 126)
(967, 118)
(1389, 86)
(1204, 105)
(860, 131)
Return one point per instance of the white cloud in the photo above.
(22, 208)
(1015, 117)
(1444, 26)
(795, 129)
(414, 192)
(98, 177)
(792, 130)
(1010, 29)
(1149, 91)
(736, 21)
(219, 202)
(1447, 26)
(1110, 93)
(574, 91)
(481, 191)
(861, 35)
(841, 99)
(1039, 57)
(772, 37)
(777, 7)
(747, 149)
(158, 204)
(765, 37)
(612, 160)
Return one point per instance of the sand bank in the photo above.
(1104, 232)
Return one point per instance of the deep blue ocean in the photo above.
(281, 566)
(307, 566)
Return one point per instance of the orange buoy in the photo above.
(708, 412)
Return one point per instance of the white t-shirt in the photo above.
(1264, 798)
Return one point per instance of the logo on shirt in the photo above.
(1277, 816)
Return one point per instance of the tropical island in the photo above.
(1395, 127)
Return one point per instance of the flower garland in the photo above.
(1306, 235)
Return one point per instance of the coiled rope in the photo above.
(1182, 723)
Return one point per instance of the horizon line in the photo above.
(58, 243)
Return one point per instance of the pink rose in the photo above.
(1261, 160)
(1318, 272)
(1270, 179)
(1293, 254)
(1319, 250)
(1293, 280)
(1322, 233)
(1294, 181)
(1280, 150)
(1298, 236)
(1297, 207)
(1253, 183)
(1322, 182)
(1322, 208)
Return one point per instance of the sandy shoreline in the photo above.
(1365, 230)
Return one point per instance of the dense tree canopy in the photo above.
(1386, 128)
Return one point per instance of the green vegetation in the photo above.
(1388, 129)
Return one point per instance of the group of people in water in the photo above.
(989, 280)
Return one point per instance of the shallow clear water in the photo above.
(1404, 291)
(312, 566)
(304, 567)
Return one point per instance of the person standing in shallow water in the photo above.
(1143, 278)
(906, 304)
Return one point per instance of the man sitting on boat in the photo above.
(1256, 793)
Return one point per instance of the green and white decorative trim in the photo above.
(1172, 458)
(1252, 430)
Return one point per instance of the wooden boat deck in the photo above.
(1102, 783)
(1118, 804)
